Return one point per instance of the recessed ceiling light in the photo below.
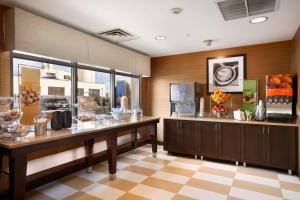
(160, 37)
(258, 20)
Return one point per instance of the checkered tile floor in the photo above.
(166, 177)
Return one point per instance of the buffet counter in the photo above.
(18, 150)
(293, 123)
(261, 143)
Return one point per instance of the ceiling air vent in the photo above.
(236, 9)
(117, 35)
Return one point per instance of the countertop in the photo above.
(293, 123)
(76, 129)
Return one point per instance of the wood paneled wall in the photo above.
(295, 67)
(5, 80)
(262, 59)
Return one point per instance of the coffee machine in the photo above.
(184, 99)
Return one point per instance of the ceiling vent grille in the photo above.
(117, 35)
(236, 9)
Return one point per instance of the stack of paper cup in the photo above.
(201, 113)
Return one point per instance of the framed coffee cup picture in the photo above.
(226, 73)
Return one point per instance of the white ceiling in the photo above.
(200, 20)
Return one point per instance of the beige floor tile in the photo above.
(218, 172)
(179, 171)
(156, 160)
(129, 196)
(126, 160)
(140, 152)
(81, 196)
(189, 160)
(233, 198)
(206, 185)
(119, 183)
(162, 184)
(150, 192)
(181, 197)
(290, 186)
(258, 172)
(140, 170)
(36, 195)
(101, 168)
(75, 182)
(257, 188)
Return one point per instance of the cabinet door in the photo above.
(230, 141)
(281, 147)
(253, 144)
(171, 136)
(209, 139)
(190, 130)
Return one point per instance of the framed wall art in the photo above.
(226, 73)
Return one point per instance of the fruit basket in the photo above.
(220, 103)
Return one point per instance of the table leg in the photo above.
(1, 161)
(154, 140)
(17, 176)
(134, 139)
(89, 145)
(111, 141)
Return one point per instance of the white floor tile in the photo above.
(57, 190)
(151, 192)
(197, 193)
(292, 195)
(103, 191)
(183, 165)
(149, 165)
(257, 179)
(289, 178)
(171, 177)
(94, 176)
(213, 178)
(122, 165)
(251, 195)
(135, 156)
(220, 166)
(166, 157)
(130, 176)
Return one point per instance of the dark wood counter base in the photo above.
(270, 146)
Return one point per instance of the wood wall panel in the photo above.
(5, 88)
(262, 59)
(295, 67)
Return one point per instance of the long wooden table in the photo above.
(18, 150)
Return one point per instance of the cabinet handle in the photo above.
(268, 130)
(263, 130)
(180, 125)
(219, 127)
(216, 127)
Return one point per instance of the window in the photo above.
(57, 91)
(80, 91)
(129, 87)
(94, 86)
(95, 92)
(55, 83)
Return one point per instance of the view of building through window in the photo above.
(129, 87)
(55, 83)
(93, 86)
